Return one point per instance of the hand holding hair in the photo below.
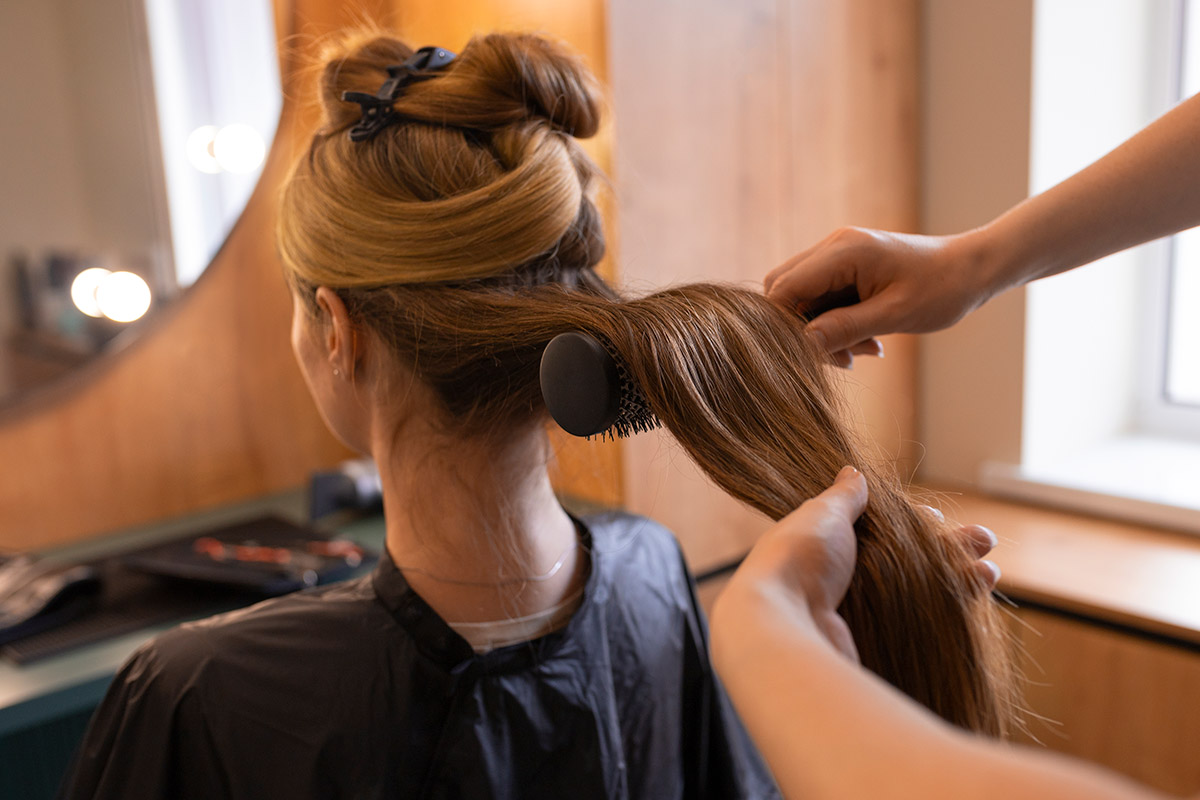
(803, 566)
(731, 376)
(805, 563)
(906, 283)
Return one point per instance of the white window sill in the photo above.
(1141, 479)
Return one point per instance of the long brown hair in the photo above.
(465, 238)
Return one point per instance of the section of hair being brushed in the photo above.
(734, 379)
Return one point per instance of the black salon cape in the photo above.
(359, 690)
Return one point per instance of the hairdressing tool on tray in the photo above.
(67, 606)
(266, 555)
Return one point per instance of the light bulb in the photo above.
(200, 149)
(238, 148)
(83, 290)
(123, 296)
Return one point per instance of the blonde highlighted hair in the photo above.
(465, 238)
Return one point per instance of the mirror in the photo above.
(135, 132)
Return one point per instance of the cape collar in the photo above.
(442, 645)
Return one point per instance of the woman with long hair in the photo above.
(437, 234)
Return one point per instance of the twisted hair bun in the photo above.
(499, 80)
(481, 174)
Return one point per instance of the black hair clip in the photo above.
(588, 392)
(377, 112)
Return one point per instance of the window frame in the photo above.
(1156, 413)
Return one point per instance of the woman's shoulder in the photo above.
(306, 628)
(302, 664)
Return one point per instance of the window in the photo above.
(1111, 397)
(1180, 384)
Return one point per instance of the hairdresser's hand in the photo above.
(797, 573)
(904, 283)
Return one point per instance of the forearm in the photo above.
(825, 726)
(829, 729)
(1147, 188)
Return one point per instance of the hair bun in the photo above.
(499, 80)
(505, 79)
(549, 80)
(477, 174)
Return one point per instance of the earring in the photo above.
(336, 372)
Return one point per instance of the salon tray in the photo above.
(170, 582)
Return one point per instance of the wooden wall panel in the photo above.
(854, 72)
(208, 407)
(746, 132)
(1119, 700)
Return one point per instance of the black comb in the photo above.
(589, 392)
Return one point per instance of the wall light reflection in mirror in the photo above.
(200, 149)
(123, 296)
(83, 290)
(236, 148)
(120, 296)
(209, 179)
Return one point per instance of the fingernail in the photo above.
(847, 472)
(818, 338)
(936, 512)
(991, 535)
(993, 566)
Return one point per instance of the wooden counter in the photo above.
(1140, 578)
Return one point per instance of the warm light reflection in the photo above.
(123, 296)
(200, 149)
(238, 148)
(83, 290)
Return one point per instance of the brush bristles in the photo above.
(634, 414)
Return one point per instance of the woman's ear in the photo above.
(339, 336)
